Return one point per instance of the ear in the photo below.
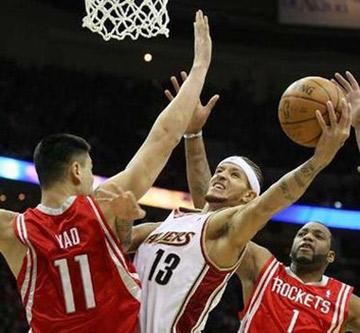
(331, 256)
(249, 195)
(75, 172)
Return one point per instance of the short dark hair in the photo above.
(256, 168)
(54, 153)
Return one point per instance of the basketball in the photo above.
(298, 105)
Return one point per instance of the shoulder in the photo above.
(7, 219)
(255, 261)
(353, 321)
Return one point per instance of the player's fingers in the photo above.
(183, 75)
(210, 105)
(102, 193)
(347, 122)
(130, 195)
(352, 80)
(343, 82)
(141, 214)
(344, 112)
(206, 21)
(321, 120)
(339, 86)
(175, 83)
(331, 112)
(169, 95)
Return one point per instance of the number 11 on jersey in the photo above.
(63, 267)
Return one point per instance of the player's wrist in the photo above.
(193, 135)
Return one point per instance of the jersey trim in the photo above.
(324, 279)
(57, 211)
(257, 296)
(199, 300)
(264, 270)
(130, 280)
(29, 283)
(340, 309)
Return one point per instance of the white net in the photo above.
(121, 18)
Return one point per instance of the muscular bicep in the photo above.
(353, 322)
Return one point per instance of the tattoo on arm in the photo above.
(308, 170)
(286, 191)
(302, 177)
(124, 231)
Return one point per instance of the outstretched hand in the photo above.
(203, 43)
(201, 113)
(351, 89)
(335, 134)
(122, 205)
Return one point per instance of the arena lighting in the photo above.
(169, 199)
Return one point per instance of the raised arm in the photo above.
(171, 124)
(351, 89)
(197, 167)
(241, 223)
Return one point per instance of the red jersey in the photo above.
(75, 277)
(282, 303)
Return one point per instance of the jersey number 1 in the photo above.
(63, 267)
(293, 321)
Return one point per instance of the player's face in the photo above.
(229, 185)
(311, 245)
(87, 177)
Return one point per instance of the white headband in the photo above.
(249, 171)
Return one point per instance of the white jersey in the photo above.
(180, 285)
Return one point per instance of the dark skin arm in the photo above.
(353, 322)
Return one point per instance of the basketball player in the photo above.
(72, 273)
(185, 263)
(299, 298)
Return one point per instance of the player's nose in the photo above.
(308, 237)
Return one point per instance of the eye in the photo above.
(235, 175)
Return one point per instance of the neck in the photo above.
(213, 206)
(55, 196)
(307, 273)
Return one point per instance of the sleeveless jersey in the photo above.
(75, 277)
(282, 303)
(180, 285)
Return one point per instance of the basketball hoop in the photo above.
(121, 18)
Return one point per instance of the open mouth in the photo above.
(306, 246)
(219, 186)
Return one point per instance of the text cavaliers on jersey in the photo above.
(180, 285)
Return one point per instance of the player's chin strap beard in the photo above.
(317, 263)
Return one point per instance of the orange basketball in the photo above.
(298, 105)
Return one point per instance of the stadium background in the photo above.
(57, 77)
